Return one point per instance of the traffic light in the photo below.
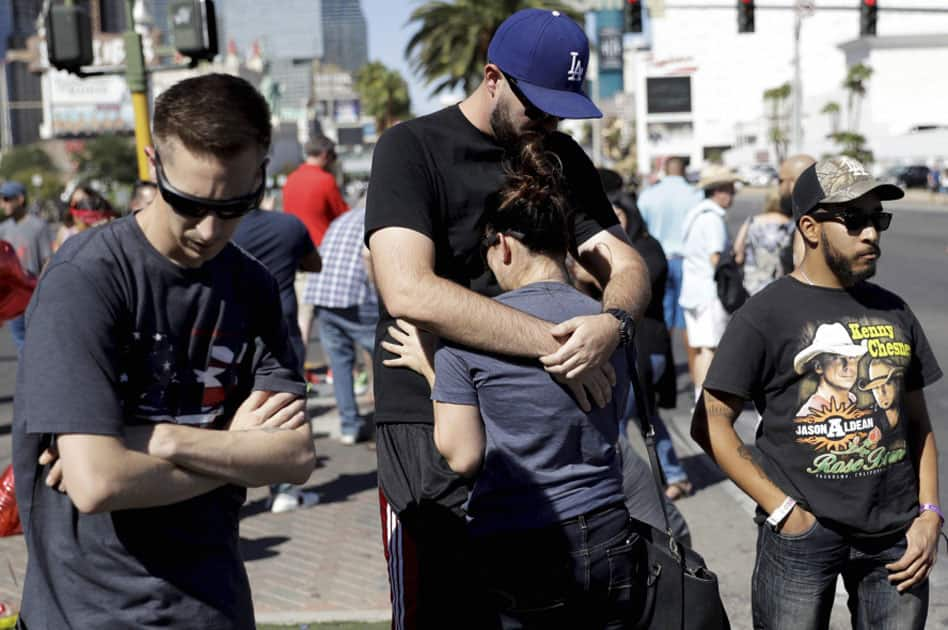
(868, 12)
(194, 28)
(68, 37)
(633, 16)
(745, 16)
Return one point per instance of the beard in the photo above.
(505, 132)
(842, 267)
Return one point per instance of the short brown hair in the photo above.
(320, 145)
(213, 114)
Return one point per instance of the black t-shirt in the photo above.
(280, 241)
(828, 370)
(434, 175)
(117, 335)
(651, 335)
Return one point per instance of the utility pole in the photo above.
(801, 9)
(137, 81)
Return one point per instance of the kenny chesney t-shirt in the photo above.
(435, 175)
(117, 335)
(828, 370)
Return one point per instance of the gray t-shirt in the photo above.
(545, 459)
(119, 336)
(32, 240)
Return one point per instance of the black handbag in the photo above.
(729, 277)
(682, 593)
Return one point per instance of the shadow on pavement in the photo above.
(344, 486)
(260, 548)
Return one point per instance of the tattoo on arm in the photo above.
(719, 409)
(747, 454)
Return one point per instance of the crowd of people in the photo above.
(508, 293)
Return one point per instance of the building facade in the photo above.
(344, 35)
(698, 85)
(21, 94)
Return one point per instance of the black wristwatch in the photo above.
(626, 325)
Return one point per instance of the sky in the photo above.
(389, 32)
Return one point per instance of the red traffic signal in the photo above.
(633, 16)
(745, 16)
(868, 14)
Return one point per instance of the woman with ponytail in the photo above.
(546, 511)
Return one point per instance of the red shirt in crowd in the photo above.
(311, 194)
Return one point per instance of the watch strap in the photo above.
(779, 515)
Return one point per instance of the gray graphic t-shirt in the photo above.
(118, 336)
(32, 240)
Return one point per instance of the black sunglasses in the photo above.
(199, 207)
(855, 220)
(529, 109)
(492, 238)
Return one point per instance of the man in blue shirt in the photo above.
(663, 206)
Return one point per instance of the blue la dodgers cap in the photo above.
(547, 53)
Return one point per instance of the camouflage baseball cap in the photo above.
(837, 180)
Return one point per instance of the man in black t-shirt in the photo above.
(846, 477)
(431, 180)
(157, 384)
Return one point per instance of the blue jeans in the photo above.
(795, 577)
(586, 572)
(663, 444)
(339, 330)
(18, 332)
(674, 315)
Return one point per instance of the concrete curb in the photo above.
(324, 616)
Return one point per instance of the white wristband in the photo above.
(777, 516)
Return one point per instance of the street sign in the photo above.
(610, 48)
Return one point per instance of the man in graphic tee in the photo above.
(157, 383)
(845, 471)
(432, 178)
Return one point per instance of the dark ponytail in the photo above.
(533, 200)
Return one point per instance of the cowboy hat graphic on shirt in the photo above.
(880, 373)
(829, 339)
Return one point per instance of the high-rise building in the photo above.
(162, 19)
(345, 39)
(23, 92)
(287, 34)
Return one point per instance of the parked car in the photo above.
(914, 176)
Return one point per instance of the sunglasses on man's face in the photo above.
(856, 220)
(199, 207)
(529, 109)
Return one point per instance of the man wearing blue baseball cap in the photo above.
(432, 179)
(30, 237)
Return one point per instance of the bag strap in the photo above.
(648, 435)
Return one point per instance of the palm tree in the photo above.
(450, 47)
(777, 99)
(832, 110)
(384, 94)
(855, 85)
